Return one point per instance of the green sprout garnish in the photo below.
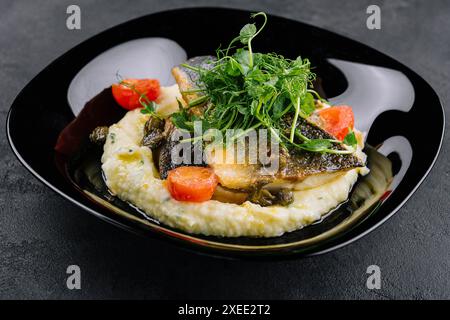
(247, 90)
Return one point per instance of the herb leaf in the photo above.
(350, 138)
(181, 119)
(247, 33)
(234, 68)
(316, 145)
(307, 105)
(148, 107)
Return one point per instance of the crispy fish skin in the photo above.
(188, 79)
(165, 163)
(300, 163)
(163, 152)
(294, 165)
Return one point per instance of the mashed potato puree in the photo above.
(132, 176)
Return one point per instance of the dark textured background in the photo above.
(41, 234)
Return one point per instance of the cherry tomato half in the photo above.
(196, 184)
(129, 91)
(336, 120)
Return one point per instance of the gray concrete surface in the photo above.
(41, 234)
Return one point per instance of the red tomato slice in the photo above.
(129, 91)
(195, 184)
(336, 120)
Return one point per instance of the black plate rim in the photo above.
(224, 250)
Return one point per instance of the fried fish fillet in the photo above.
(294, 165)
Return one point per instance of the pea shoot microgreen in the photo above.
(248, 89)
